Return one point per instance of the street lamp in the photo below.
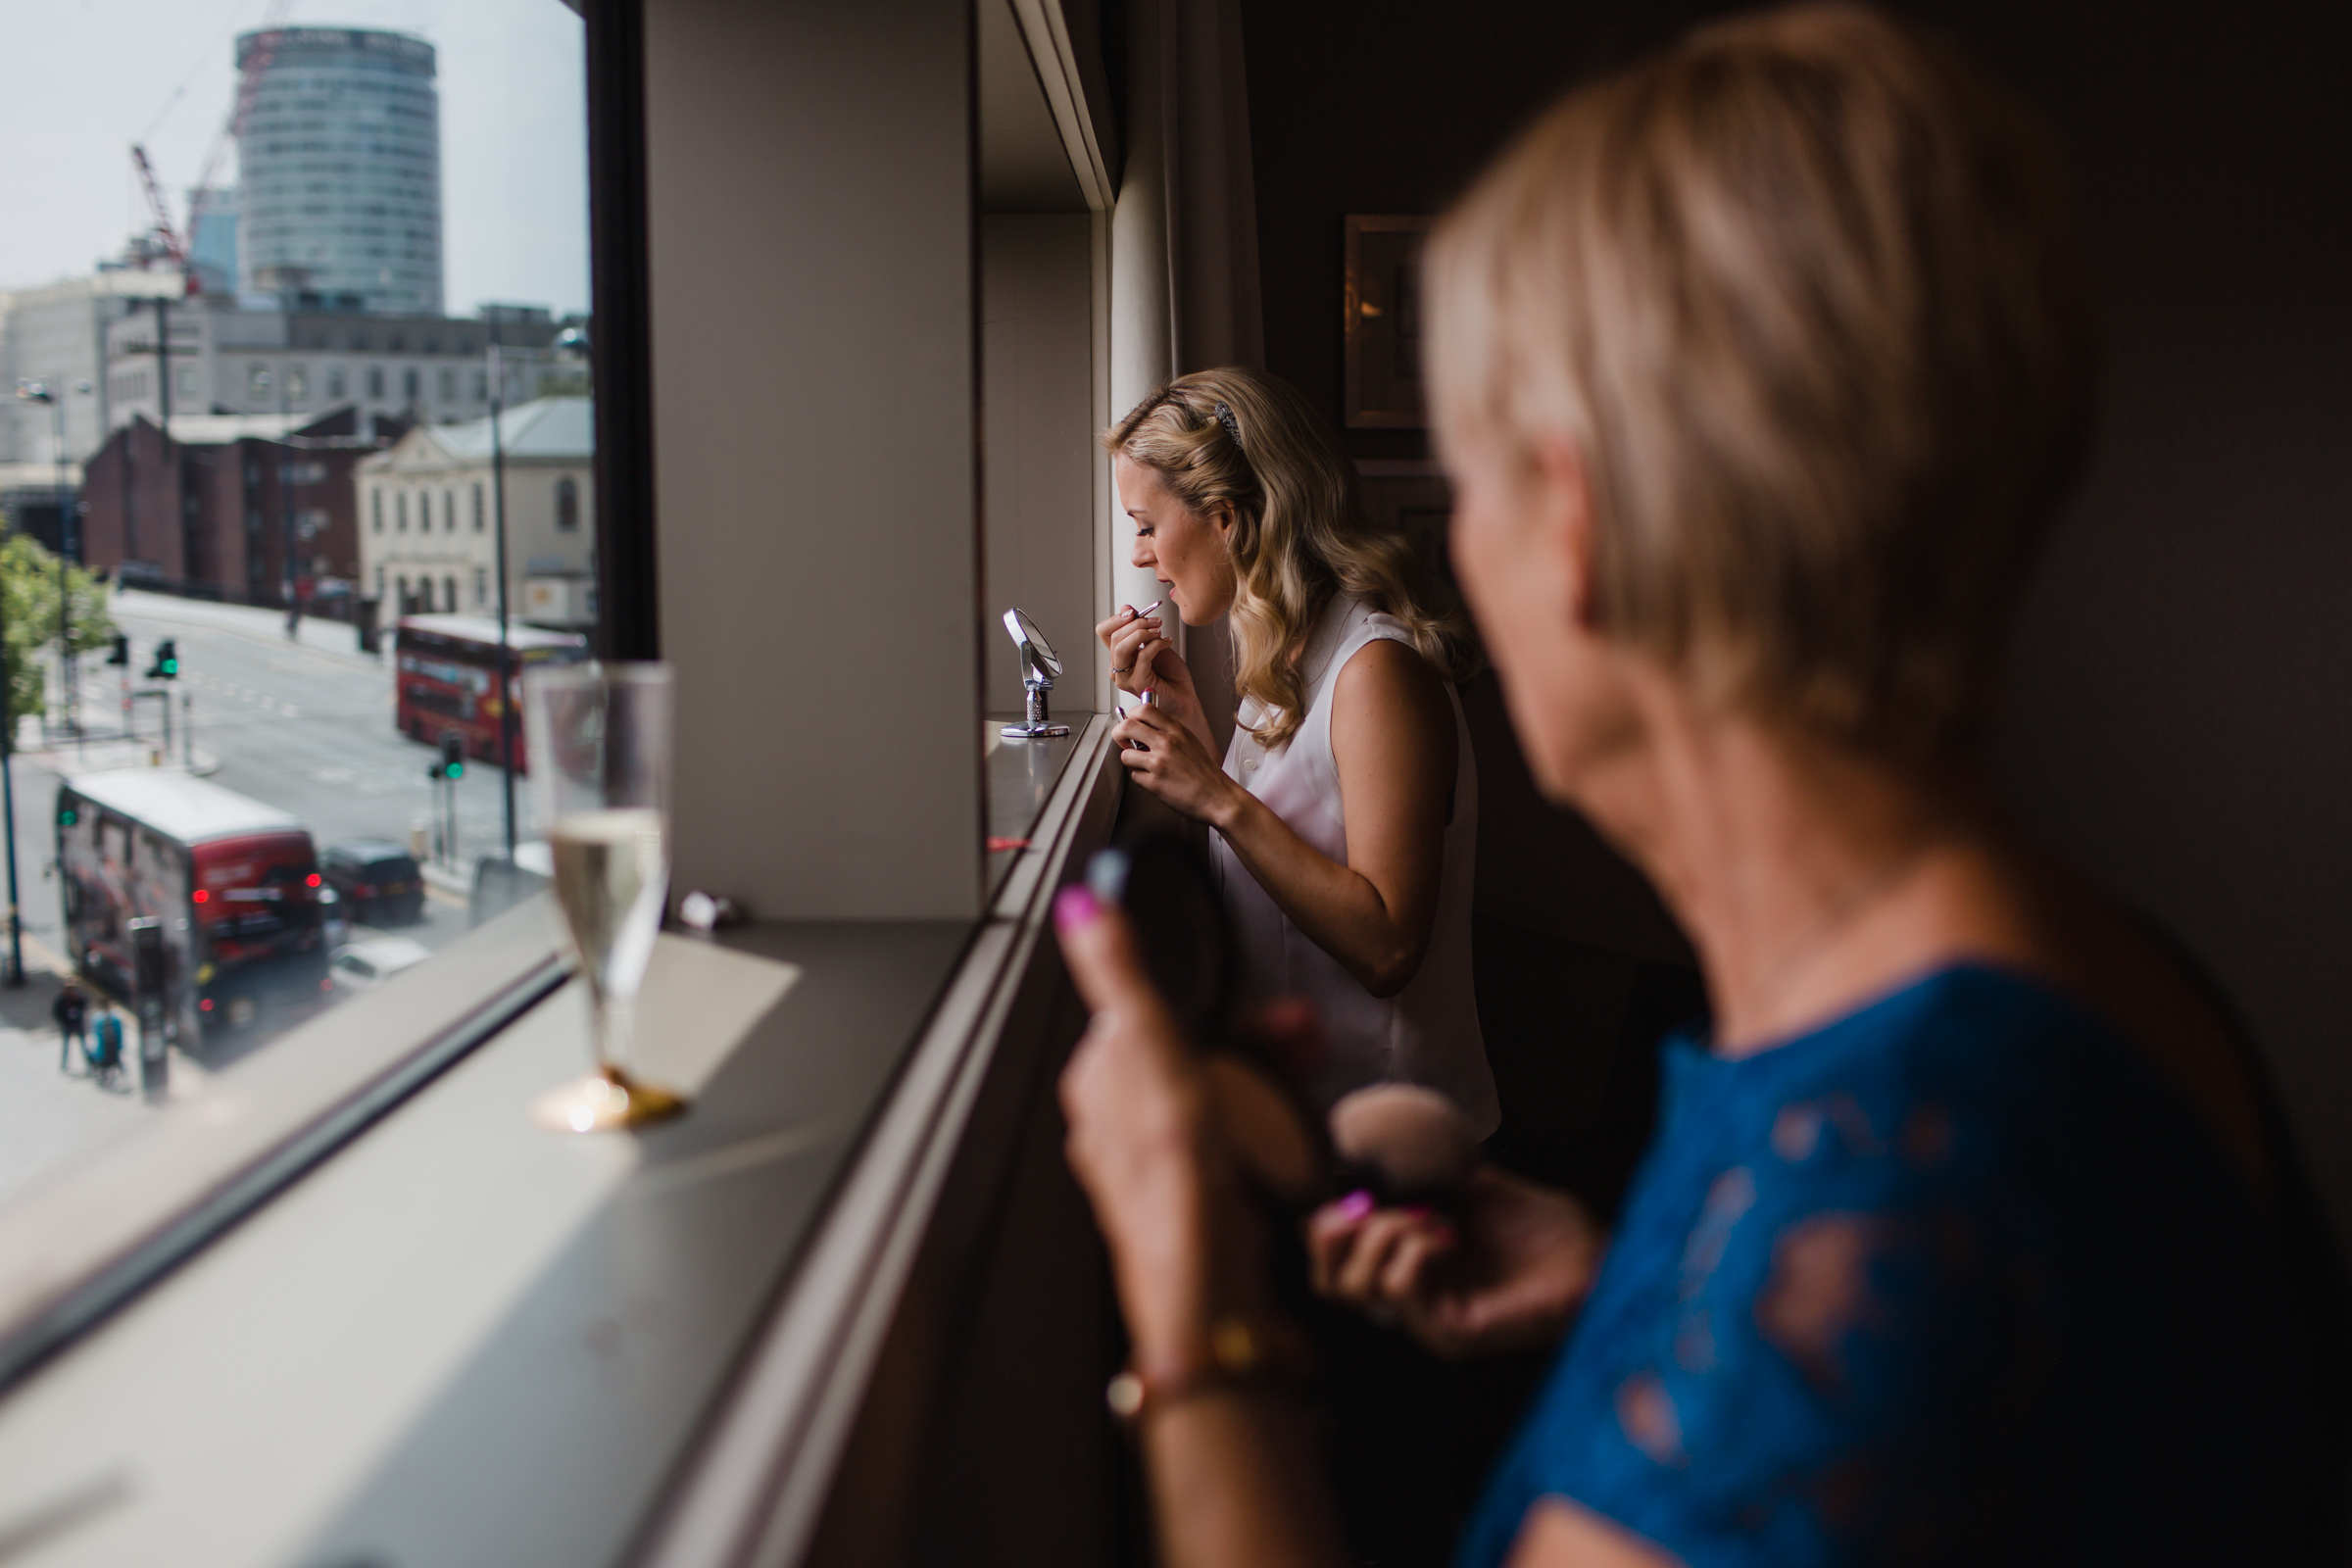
(55, 397)
(505, 658)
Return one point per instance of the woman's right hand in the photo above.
(1507, 1271)
(1143, 658)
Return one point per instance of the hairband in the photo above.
(1233, 430)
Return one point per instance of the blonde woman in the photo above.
(1970, 1233)
(1345, 809)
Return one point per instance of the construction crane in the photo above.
(171, 243)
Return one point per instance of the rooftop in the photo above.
(546, 427)
(190, 809)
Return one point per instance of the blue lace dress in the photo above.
(1957, 1278)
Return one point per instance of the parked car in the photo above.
(365, 965)
(378, 881)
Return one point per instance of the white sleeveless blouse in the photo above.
(1427, 1033)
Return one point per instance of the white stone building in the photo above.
(428, 507)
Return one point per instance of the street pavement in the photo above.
(304, 725)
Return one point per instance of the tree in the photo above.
(28, 598)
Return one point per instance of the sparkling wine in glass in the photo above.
(599, 738)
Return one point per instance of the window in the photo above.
(376, 382)
(298, 383)
(408, 383)
(449, 385)
(335, 383)
(567, 503)
(187, 382)
(257, 383)
(477, 509)
(449, 512)
(481, 386)
(481, 587)
(404, 595)
(376, 519)
(449, 594)
(399, 511)
(380, 583)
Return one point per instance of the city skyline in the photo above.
(86, 80)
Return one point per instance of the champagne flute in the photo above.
(599, 738)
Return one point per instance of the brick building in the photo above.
(208, 512)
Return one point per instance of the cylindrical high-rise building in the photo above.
(339, 168)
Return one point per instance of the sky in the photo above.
(81, 80)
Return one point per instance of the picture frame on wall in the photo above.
(1384, 321)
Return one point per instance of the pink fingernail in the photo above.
(1075, 906)
(1356, 1205)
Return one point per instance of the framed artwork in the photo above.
(1384, 321)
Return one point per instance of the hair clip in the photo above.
(1233, 429)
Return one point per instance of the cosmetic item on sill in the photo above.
(1041, 667)
(705, 913)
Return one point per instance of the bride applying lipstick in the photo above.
(1344, 813)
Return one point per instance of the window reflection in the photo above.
(354, 218)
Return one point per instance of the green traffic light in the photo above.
(67, 818)
(456, 771)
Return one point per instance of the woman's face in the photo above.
(1521, 543)
(1186, 550)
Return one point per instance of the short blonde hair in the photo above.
(1300, 531)
(1802, 292)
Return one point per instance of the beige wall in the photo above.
(815, 387)
(1037, 341)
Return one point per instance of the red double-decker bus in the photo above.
(447, 670)
(231, 883)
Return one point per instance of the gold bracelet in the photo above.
(1239, 1354)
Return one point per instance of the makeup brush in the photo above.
(1405, 1143)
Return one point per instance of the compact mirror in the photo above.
(1037, 654)
(1040, 669)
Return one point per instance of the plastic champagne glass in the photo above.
(598, 759)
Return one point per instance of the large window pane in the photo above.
(362, 290)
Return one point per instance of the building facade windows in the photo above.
(567, 503)
(257, 381)
(400, 512)
(449, 512)
(449, 385)
(334, 381)
(449, 596)
(375, 382)
(376, 520)
(298, 383)
(477, 509)
(408, 384)
(481, 587)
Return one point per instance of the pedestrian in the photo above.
(72, 1010)
(105, 1049)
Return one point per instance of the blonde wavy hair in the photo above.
(1301, 534)
(1802, 289)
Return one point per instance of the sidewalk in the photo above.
(50, 1119)
(67, 759)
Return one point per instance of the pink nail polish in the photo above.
(1075, 906)
(1356, 1205)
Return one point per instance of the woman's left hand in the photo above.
(1175, 765)
(1140, 1142)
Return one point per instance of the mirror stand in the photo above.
(1039, 666)
(1036, 723)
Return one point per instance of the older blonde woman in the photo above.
(1345, 809)
(1970, 1234)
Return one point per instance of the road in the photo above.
(305, 725)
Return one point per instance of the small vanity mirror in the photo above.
(1041, 667)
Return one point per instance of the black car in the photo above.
(378, 882)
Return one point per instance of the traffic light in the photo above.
(166, 661)
(121, 653)
(453, 755)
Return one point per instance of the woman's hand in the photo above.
(1175, 765)
(1142, 660)
(1142, 1144)
(1136, 644)
(1508, 1272)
